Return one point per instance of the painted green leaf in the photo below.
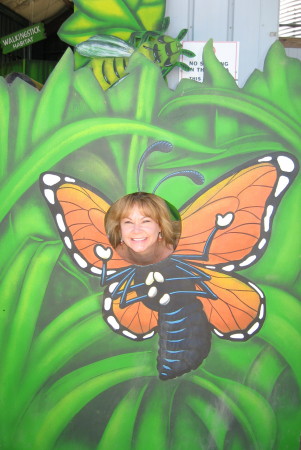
(279, 83)
(118, 17)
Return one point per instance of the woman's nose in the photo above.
(136, 227)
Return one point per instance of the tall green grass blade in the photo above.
(188, 431)
(72, 392)
(24, 100)
(119, 431)
(265, 372)
(242, 401)
(76, 339)
(215, 74)
(12, 279)
(153, 425)
(54, 98)
(150, 81)
(278, 86)
(5, 108)
(215, 419)
(286, 340)
(86, 85)
(19, 338)
(57, 328)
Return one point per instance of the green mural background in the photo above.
(67, 381)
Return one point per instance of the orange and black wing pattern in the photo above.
(238, 209)
(227, 227)
(135, 321)
(79, 215)
(238, 311)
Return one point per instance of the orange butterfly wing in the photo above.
(239, 310)
(136, 321)
(79, 214)
(249, 197)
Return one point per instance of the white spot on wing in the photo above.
(270, 210)
(49, 195)
(256, 288)
(261, 313)
(286, 164)
(102, 252)
(96, 270)
(253, 328)
(68, 242)
(60, 222)
(229, 268)
(111, 272)
(112, 287)
(149, 335)
(248, 261)
(70, 180)
(237, 336)
(107, 303)
(262, 243)
(149, 279)
(218, 332)
(210, 267)
(128, 334)
(80, 261)
(50, 179)
(265, 159)
(113, 322)
(281, 185)
(224, 221)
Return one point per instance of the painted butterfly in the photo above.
(225, 227)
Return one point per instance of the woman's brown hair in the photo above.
(152, 206)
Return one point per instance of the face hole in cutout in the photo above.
(143, 228)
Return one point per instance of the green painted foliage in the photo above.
(67, 381)
(120, 18)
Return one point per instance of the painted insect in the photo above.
(109, 54)
(225, 228)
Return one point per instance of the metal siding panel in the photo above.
(293, 52)
(253, 24)
(255, 27)
(210, 20)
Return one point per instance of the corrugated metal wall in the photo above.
(253, 23)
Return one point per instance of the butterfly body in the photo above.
(226, 227)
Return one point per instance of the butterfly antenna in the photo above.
(195, 176)
(159, 146)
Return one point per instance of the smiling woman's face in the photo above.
(139, 232)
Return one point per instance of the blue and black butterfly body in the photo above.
(183, 328)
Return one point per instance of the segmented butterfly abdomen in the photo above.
(184, 339)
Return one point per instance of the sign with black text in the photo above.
(226, 52)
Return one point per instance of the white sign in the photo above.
(226, 52)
